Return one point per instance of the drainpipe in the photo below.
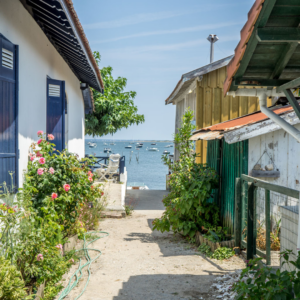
(263, 95)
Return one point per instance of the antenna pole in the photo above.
(212, 38)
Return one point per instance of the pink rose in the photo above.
(90, 179)
(67, 187)
(42, 160)
(38, 154)
(51, 170)
(40, 132)
(54, 196)
(59, 246)
(32, 157)
(50, 137)
(39, 141)
(40, 171)
(39, 257)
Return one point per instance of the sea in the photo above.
(143, 167)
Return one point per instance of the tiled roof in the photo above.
(242, 45)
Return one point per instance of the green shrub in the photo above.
(191, 185)
(267, 283)
(12, 287)
(58, 183)
(223, 253)
(219, 254)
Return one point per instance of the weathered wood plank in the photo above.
(278, 34)
(284, 59)
(292, 100)
(271, 187)
(289, 85)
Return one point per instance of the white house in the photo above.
(46, 69)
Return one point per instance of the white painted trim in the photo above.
(250, 131)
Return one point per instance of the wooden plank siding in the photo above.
(213, 108)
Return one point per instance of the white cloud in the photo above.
(136, 19)
(172, 31)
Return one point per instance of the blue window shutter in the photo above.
(56, 112)
(8, 113)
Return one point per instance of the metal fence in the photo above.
(245, 213)
(104, 160)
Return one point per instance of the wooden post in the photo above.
(237, 218)
(254, 220)
(250, 221)
(268, 226)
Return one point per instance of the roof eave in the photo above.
(78, 30)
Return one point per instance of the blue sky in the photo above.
(152, 43)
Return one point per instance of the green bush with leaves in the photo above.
(268, 284)
(191, 184)
(115, 108)
(12, 286)
(58, 183)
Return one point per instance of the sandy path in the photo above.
(140, 264)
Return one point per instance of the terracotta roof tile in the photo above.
(246, 32)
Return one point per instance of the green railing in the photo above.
(245, 213)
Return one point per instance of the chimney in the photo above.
(212, 38)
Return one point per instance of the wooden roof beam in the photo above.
(284, 59)
(259, 82)
(289, 85)
(278, 34)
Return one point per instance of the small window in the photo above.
(7, 59)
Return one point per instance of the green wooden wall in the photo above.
(230, 161)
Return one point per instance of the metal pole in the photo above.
(212, 38)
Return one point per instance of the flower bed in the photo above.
(200, 239)
(58, 200)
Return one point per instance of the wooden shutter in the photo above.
(8, 113)
(56, 112)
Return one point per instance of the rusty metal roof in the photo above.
(268, 52)
(187, 78)
(217, 131)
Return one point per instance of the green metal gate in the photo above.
(230, 161)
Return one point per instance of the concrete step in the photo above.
(113, 214)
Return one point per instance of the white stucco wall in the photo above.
(38, 58)
(284, 150)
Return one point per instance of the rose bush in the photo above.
(58, 182)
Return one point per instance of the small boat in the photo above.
(112, 144)
(153, 144)
(107, 150)
(171, 145)
(92, 145)
(89, 143)
(166, 152)
(153, 149)
(168, 146)
(105, 144)
(128, 147)
(139, 146)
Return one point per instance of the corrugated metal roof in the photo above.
(60, 23)
(187, 78)
(217, 131)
